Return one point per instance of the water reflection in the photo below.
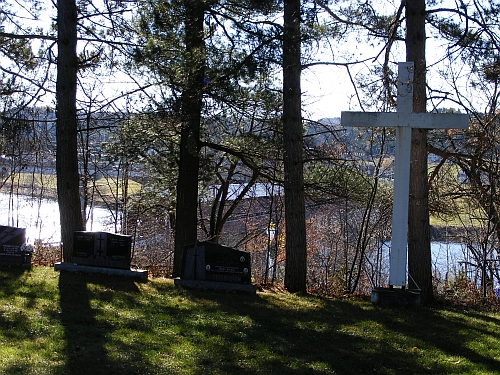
(446, 258)
(40, 217)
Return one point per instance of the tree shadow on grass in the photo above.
(9, 279)
(12, 281)
(318, 336)
(457, 334)
(16, 323)
(88, 337)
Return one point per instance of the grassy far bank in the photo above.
(106, 185)
(58, 323)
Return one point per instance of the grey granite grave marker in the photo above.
(13, 250)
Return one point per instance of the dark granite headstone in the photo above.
(102, 249)
(12, 246)
(208, 261)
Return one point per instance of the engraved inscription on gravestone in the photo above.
(102, 249)
(12, 246)
(213, 262)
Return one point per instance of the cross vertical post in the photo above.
(398, 258)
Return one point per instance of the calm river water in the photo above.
(41, 220)
(41, 217)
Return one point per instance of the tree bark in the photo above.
(296, 251)
(66, 132)
(186, 227)
(419, 245)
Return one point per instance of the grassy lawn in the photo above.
(59, 323)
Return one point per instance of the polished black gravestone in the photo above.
(102, 252)
(13, 249)
(102, 249)
(207, 265)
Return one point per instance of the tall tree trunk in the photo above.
(186, 226)
(66, 134)
(419, 245)
(296, 252)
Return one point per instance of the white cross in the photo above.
(403, 120)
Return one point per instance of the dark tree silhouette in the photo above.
(66, 133)
(296, 252)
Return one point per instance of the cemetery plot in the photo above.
(208, 261)
(102, 249)
(12, 247)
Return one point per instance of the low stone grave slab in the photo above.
(207, 265)
(139, 275)
(13, 249)
(395, 297)
(102, 249)
(215, 286)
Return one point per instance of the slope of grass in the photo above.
(52, 323)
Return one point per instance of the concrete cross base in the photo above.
(395, 297)
(215, 285)
(140, 275)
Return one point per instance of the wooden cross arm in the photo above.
(413, 120)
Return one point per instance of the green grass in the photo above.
(52, 323)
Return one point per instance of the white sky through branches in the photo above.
(327, 90)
